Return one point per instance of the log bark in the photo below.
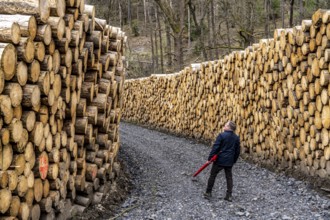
(15, 93)
(34, 71)
(28, 7)
(10, 31)
(21, 75)
(57, 8)
(25, 50)
(44, 33)
(27, 24)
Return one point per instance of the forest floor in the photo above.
(158, 184)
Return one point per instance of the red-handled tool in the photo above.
(214, 158)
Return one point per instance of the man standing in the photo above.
(227, 146)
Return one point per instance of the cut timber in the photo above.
(5, 198)
(57, 8)
(28, 7)
(39, 51)
(46, 204)
(326, 117)
(81, 125)
(6, 108)
(85, 19)
(6, 157)
(21, 75)
(8, 60)
(96, 38)
(90, 10)
(24, 211)
(91, 171)
(2, 81)
(13, 180)
(44, 82)
(53, 171)
(44, 33)
(42, 165)
(16, 129)
(10, 32)
(92, 114)
(69, 20)
(3, 179)
(25, 50)
(14, 206)
(101, 102)
(27, 24)
(19, 162)
(57, 25)
(15, 93)
(35, 212)
(31, 96)
(34, 71)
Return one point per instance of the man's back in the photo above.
(229, 149)
(228, 144)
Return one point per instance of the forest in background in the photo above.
(166, 35)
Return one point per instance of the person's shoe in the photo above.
(207, 195)
(228, 198)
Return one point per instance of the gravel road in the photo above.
(161, 168)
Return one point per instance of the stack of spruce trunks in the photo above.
(277, 91)
(61, 82)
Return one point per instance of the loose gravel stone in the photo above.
(161, 166)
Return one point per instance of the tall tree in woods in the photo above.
(267, 14)
(199, 22)
(291, 12)
(244, 18)
(160, 33)
(175, 13)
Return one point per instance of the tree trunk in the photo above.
(266, 11)
(228, 28)
(282, 13)
(291, 12)
(156, 50)
(214, 31)
(160, 42)
(168, 45)
(153, 56)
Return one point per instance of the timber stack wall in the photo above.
(277, 91)
(61, 82)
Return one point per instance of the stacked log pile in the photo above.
(277, 91)
(61, 81)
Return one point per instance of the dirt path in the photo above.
(161, 166)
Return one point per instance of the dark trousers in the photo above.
(214, 172)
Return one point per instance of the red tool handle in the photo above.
(214, 158)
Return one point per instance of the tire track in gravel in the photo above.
(161, 166)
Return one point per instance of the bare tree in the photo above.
(282, 13)
(145, 14)
(168, 45)
(175, 17)
(159, 27)
(151, 42)
(301, 9)
(214, 31)
(267, 11)
(199, 23)
(291, 12)
(120, 14)
(129, 13)
(225, 7)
